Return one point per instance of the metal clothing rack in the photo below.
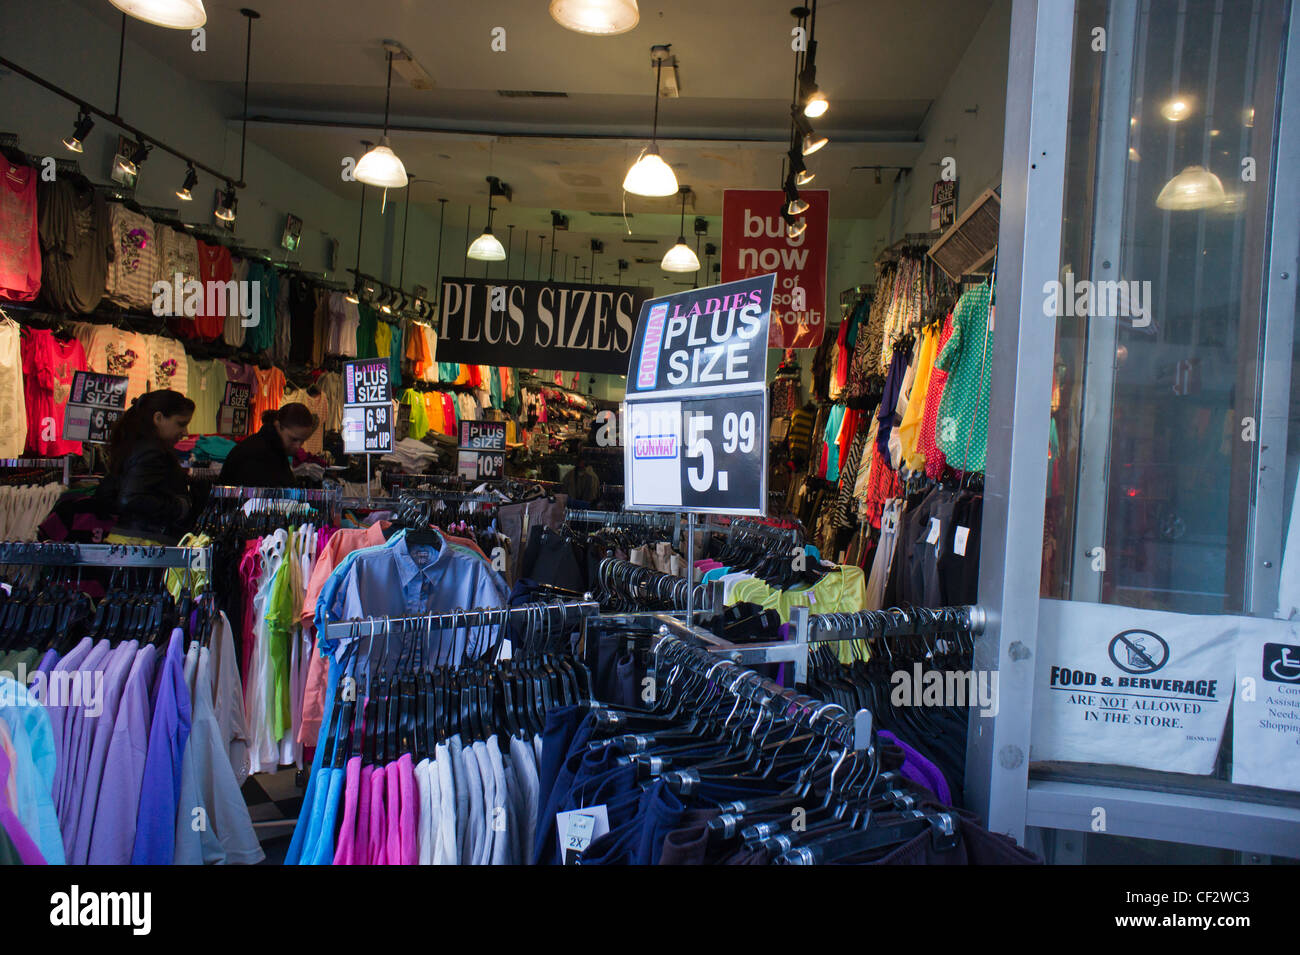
(809, 629)
(44, 464)
(576, 611)
(330, 496)
(105, 555)
(697, 650)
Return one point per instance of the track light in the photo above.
(681, 257)
(650, 175)
(227, 205)
(793, 227)
(79, 133)
(131, 165)
(191, 180)
(812, 140)
(816, 104)
(802, 174)
(794, 204)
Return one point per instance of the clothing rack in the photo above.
(634, 518)
(574, 611)
(330, 496)
(809, 629)
(105, 555)
(52, 464)
(698, 650)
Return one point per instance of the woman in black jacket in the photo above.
(146, 487)
(262, 460)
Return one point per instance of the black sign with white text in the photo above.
(367, 407)
(94, 404)
(696, 403)
(577, 327)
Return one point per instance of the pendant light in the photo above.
(172, 14)
(380, 166)
(596, 17)
(487, 247)
(1193, 188)
(681, 257)
(650, 175)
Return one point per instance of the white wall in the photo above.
(974, 140)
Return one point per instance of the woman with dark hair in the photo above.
(146, 487)
(262, 460)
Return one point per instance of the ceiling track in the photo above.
(776, 137)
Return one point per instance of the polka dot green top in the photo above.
(963, 424)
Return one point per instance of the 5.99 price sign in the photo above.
(697, 402)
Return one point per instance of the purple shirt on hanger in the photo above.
(113, 832)
(99, 731)
(160, 792)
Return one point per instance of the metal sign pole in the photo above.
(690, 568)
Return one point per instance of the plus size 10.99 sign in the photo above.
(696, 404)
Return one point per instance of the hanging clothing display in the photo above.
(48, 367)
(76, 242)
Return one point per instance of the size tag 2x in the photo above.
(959, 538)
(578, 829)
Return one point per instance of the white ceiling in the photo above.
(317, 89)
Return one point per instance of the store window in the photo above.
(1157, 388)
(1172, 395)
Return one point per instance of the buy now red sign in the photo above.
(755, 242)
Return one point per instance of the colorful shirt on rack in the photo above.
(20, 245)
(134, 265)
(397, 580)
(268, 394)
(968, 359)
(48, 367)
(206, 386)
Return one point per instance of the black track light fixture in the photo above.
(185, 192)
(79, 133)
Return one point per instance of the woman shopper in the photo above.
(262, 460)
(146, 487)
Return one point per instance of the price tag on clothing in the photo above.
(697, 404)
(935, 531)
(959, 538)
(578, 829)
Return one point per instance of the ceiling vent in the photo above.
(642, 241)
(533, 94)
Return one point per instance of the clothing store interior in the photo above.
(328, 515)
